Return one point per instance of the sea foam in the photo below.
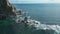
(39, 26)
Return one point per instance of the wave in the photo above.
(37, 25)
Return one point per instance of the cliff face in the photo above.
(6, 8)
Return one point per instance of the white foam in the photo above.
(38, 26)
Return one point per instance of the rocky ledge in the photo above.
(6, 9)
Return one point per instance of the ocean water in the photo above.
(45, 13)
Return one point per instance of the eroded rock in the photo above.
(6, 8)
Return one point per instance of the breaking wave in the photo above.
(39, 26)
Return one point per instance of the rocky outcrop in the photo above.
(6, 8)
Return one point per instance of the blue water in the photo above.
(45, 13)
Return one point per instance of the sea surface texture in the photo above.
(47, 14)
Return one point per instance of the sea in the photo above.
(45, 13)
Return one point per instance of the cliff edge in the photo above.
(6, 8)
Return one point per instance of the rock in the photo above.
(6, 25)
(6, 8)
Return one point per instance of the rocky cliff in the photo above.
(6, 25)
(6, 8)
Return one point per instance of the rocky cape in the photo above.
(6, 8)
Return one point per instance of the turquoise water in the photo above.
(45, 13)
